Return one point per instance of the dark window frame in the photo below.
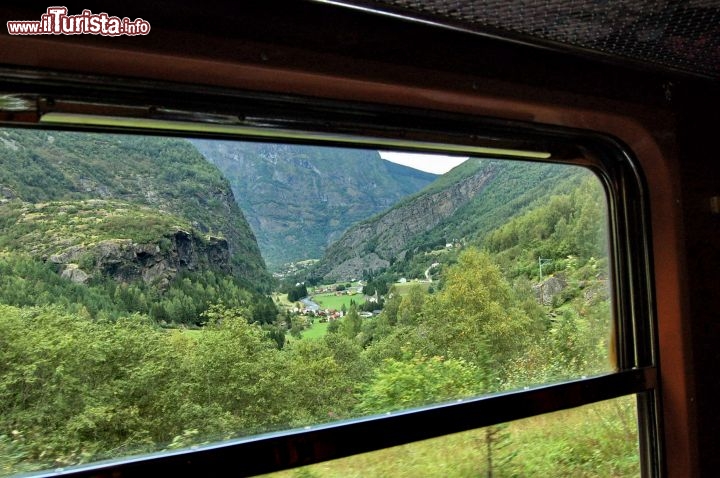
(194, 111)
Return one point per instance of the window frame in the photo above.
(88, 103)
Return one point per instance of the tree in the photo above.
(391, 307)
(475, 317)
(419, 381)
(232, 376)
(276, 332)
(297, 326)
(319, 379)
(351, 324)
(264, 310)
(411, 306)
(76, 387)
(333, 327)
(297, 292)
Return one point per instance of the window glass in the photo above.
(159, 293)
(593, 440)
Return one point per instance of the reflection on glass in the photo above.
(594, 440)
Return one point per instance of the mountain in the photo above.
(105, 199)
(299, 199)
(461, 207)
(108, 238)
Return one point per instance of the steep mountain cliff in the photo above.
(460, 207)
(96, 237)
(154, 201)
(299, 199)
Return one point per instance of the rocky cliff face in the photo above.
(155, 263)
(372, 244)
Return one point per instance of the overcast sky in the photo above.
(431, 163)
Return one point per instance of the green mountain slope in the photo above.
(567, 230)
(299, 199)
(97, 238)
(147, 189)
(461, 207)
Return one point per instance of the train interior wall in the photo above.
(351, 56)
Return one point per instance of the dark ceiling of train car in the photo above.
(679, 34)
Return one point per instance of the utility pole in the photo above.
(542, 261)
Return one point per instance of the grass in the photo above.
(281, 300)
(318, 330)
(193, 333)
(404, 289)
(52, 227)
(332, 301)
(595, 440)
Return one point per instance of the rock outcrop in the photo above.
(155, 263)
(549, 288)
(73, 273)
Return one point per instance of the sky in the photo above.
(431, 163)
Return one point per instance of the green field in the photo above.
(332, 301)
(281, 299)
(318, 329)
(404, 289)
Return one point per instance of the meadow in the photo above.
(404, 289)
(318, 330)
(331, 301)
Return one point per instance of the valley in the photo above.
(300, 199)
(162, 293)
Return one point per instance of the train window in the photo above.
(594, 440)
(261, 298)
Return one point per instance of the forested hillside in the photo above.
(300, 199)
(109, 225)
(156, 174)
(459, 208)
